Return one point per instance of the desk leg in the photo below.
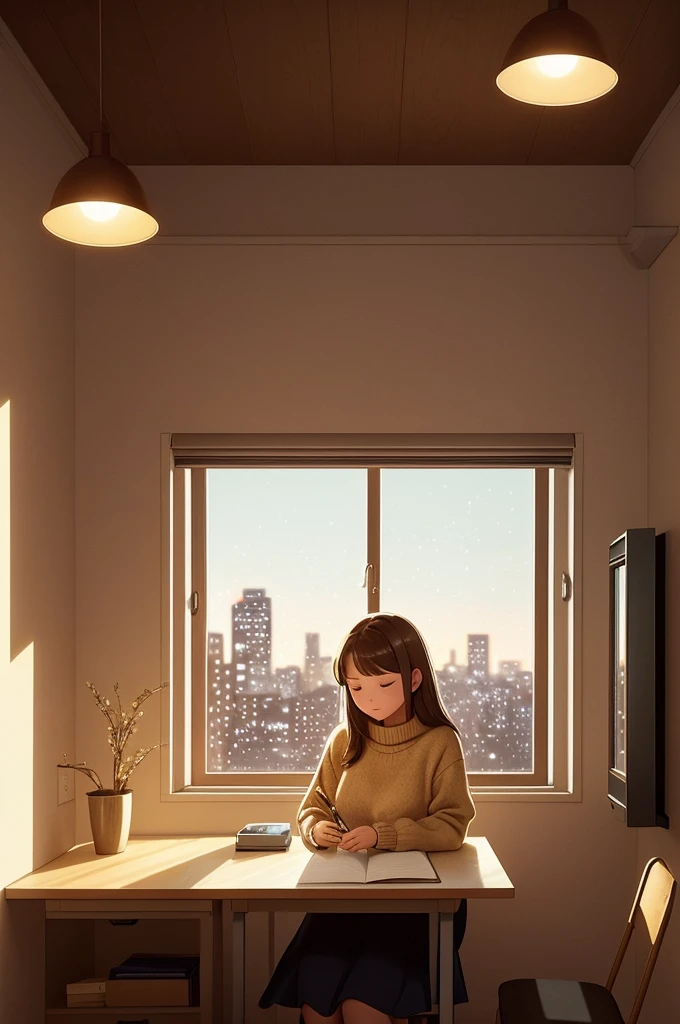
(446, 954)
(271, 935)
(238, 966)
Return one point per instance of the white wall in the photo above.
(293, 337)
(36, 521)
(657, 201)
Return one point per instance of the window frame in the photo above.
(557, 645)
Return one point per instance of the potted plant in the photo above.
(111, 809)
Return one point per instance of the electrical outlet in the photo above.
(65, 785)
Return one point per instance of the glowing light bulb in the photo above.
(100, 211)
(557, 65)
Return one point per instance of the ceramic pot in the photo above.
(110, 817)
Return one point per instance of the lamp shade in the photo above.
(100, 202)
(556, 60)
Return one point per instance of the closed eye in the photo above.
(382, 686)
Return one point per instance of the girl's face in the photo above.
(380, 697)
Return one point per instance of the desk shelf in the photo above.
(125, 1011)
(84, 939)
(125, 1015)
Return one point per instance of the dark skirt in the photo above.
(379, 959)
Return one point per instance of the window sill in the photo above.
(294, 794)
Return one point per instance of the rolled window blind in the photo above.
(388, 451)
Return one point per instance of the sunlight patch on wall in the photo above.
(16, 701)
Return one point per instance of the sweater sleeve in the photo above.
(446, 825)
(312, 809)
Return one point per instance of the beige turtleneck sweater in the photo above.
(410, 784)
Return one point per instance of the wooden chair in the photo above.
(552, 1001)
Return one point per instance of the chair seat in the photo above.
(554, 1001)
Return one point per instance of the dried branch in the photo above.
(90, 772)
(122, 724)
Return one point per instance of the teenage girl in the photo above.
(395, 772)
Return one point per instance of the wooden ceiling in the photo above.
(339, 81)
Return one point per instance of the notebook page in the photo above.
(334, 866)
(409, 865)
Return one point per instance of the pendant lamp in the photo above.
(557, 59)
(99, 200)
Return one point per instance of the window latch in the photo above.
(374, 590)
(193, 602)
(566, 587)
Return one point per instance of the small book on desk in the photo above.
(264, 835)
(355, 868)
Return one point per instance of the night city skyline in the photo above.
(277, 718)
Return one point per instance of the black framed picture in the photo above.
(636, 772)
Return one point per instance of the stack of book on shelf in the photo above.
(163, 979)
(87, 992)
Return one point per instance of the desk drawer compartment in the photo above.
(79, 948)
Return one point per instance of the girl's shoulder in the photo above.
(445, 741)
(336, 744)
(338, 734)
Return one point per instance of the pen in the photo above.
(331, 807)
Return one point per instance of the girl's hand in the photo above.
(362, 838)
(326, 833)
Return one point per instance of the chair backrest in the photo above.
(651, 911)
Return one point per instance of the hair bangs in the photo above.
(371, 652)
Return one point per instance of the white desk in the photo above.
(188, 868)
(268, 881)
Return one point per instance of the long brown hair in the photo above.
(384, 642)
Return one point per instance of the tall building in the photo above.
(315, 716)
(251, 640)
(288, 681)
(216, 646)
(509, 669)
(313, 677)
(478, 655)
(258, 737)
(219, 703)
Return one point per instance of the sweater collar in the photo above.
(395, 737)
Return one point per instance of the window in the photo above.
(281, 543)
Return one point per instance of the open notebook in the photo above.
(367, 866)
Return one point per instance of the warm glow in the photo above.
(100, 211)
(557, 65)
(557, 80)
(126, 226)
(16, 698)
